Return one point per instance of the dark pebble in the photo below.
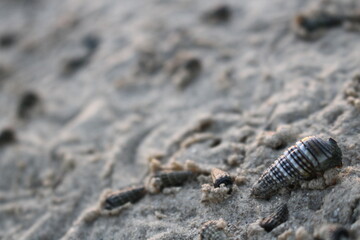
(193, 65)
(8, 40)
(72, 65)
(91, 42)
(27, 102)
(7, 136)
(219, 14)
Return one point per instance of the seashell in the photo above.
(213, 230)
(221, 177)
(119, 198)
(332, 232)
(308, 158)
(172, 179)
(307, 24)
(280, 216)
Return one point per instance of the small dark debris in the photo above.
(204, 125)
(27, 102)
(5, 71)
(192, 65)
(280, 146)
(7, 136)
(187, 71)
(215, 142)
(72, 65)
(219, 14)
(293, 186)
(340, 233)
(91, 42)
(355, 209)
(8, 40)
(332, 232)
(149, 62)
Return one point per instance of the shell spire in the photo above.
(308, 158)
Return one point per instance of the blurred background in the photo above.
(91, 91)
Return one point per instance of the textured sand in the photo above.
(252, 90)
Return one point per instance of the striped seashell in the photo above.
(280, 216)
(308, 158)
(172, 179)
(124, 196)
(221, 177)
(213, 230)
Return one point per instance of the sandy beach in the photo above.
(98, 96)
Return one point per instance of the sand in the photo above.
(122, 85)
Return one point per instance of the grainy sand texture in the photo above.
(98, 96)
